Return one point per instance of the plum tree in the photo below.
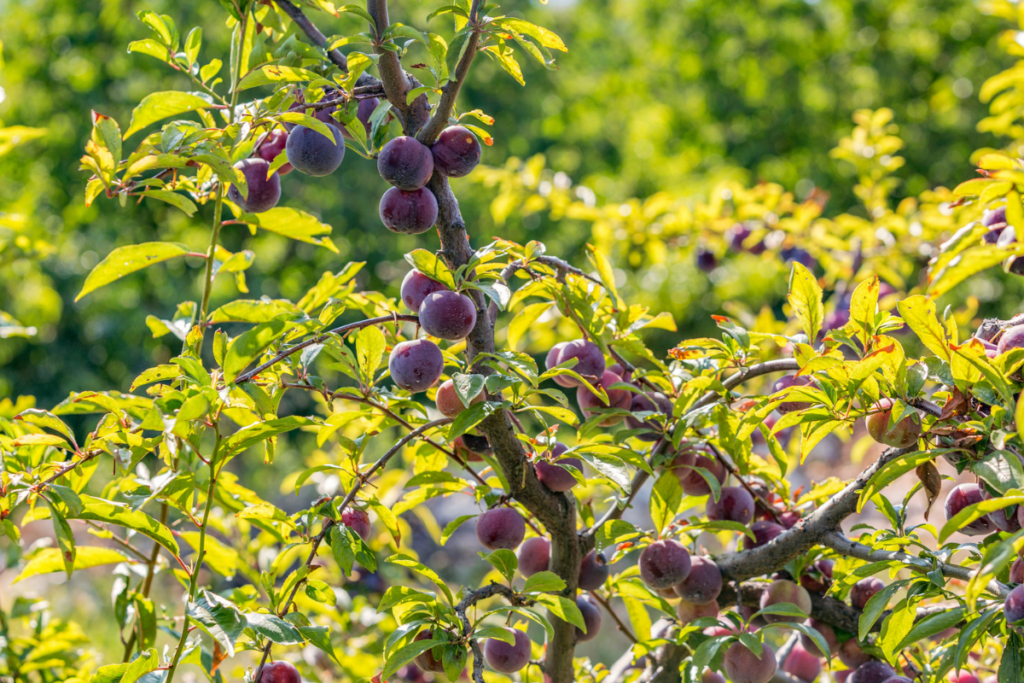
(358, 521)
(272, 146)
(416, 364)
(703, 584)
(508, 658)
(553, 473)
(500, 528)
(416, 287)
(802, 664)
(264, 192)
(448, 402)
(864, 590)
(590, 402)
(280, 671)
(534, 555)
(735, 505)
(792, 381)
(589, 361)
(408, 213)
(664, 563)
(456, 152)
(743, 666)
(312, 153)
(783, 591)
(447, 315)
(872, 672)
(688, 612)
(406, 163)
(962, 496)
(591, 619)
(903, 434)
(594, 571)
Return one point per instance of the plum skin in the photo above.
(826, 631)
(959, 498)
(872, 672)
(664, 563)
(703, 584)
(743, 666)
(785, 591)
(1012, 338)
(508, 658)
(851, 654)
(314, 154)
(734, 505)
(279, 672)
(406, 163)
(456, 152)
(264, 192)
(501, 528)
(426, 660)
(416, 287)
(802, 664)
(534, 555)
(408, 213)
(272, 146)
(903, 434)
(590, 361)
(554, 476)
(1013, 608)
(416, 364)
(655, 403)
(448, 402)
(692, 481)
(689, 612)
(864, 590)
(787, 382)
(448, 315)
(358, 521)
(591, 619)
(617, 398)
(764, 532)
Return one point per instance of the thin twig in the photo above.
(615, 617)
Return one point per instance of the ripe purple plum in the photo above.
(994, 216)
(864, 590)
(899, 679)
(710, 676)
(456, 152)
(694, 483)
(738, 240)
(506, 658)
(408, 213)
(642, 403)
(664, 563)
(501, 528)
(688, 612)
(416, 364)
(743, 666)
(872, 672)
(406, 163)
(416, 287)
(959, 498)
(1007, 519)
(279, 672)
(1017, 571)
(785, 591)
(534, 555)
(264, 192)
(818, 577)
(591, 618)
(448, 315)
(703, 584)
(706, 260)
(802, 664)
(448, 402)
(617, 398)
(1012, 338)
(551, 360)
(764, 533)
(364, 111)
(272, 146)
(429, 660)
(827, 632)
(314, 154)
(1013, 608)
(789, 518)
(787, 382)
(594, 571)
(735, 505)
(590, 361)
(962, 677)
(553, 475)
(358, 521)
(903, 434)
(851, 654)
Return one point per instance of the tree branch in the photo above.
(470, 599)
(439, 120)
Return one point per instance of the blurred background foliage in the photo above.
(654, 96)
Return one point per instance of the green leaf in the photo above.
(274, 628)
(272, 74)
(891, 471)
(46, 419)
(563, 608)
(146, 661)
(666, 496)
(406, 654)
(65, 538)
(918, 312)
(467, 387)
(260, 431)
(247, 347)
(431, 266)
(504, 561)
(875, 606)
(543, 36)
(370, 344)
(975, 512)
(49, 560)
(98, 510)
(406, 561)
(398, 595)
(292, 223)
(1012, 661)
(471, 417)
(176, 200)
(524, 321)
(544, 582)
(896, 627)
(160, 373)
(220, 618)
(936, 623)
(805, 296)
(161, 105)
(451, 526)
(125, 260)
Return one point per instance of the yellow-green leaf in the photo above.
(125, 260)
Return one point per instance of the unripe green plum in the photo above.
(507, 658)
(456, 152)
(501, 528)
(406, 163)
(903, 434)
(408, 213)
(785, 591)
(664, 563)
(416, 364)
(314, 154)
(743, 666)
(264, 192)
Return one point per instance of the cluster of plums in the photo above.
(408, 207)
(1003, 235)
